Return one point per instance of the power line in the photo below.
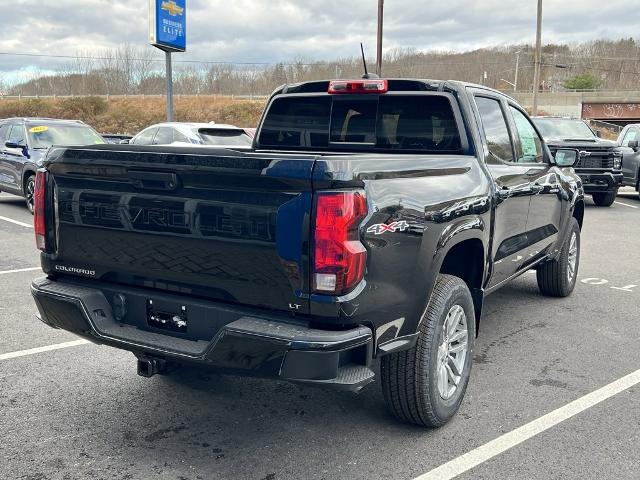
(90, 57)
(293, 64)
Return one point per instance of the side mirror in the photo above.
(598, 134)
(14, 144)
(566, 157)
(633, 144)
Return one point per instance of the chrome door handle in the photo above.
(504, 193)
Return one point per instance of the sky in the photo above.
(283, 30)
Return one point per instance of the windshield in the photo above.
(563, 128)
(43, 136)
(224, 137)
(409, 123)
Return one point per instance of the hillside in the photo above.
(129, 115)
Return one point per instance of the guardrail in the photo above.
(108, 97)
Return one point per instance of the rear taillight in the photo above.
(358, 86)
(339, 256)
(39, 196)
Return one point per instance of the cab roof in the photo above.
(43, 120)
(395, 84)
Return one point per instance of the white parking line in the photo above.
(509, 440)
(22, 224)
(32, 269)
(626, 205)
(48, 348)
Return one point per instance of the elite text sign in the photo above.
(168, 25)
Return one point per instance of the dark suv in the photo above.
(23, 143)
(600, 163)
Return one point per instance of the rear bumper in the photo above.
(252, 345)
(600, 182)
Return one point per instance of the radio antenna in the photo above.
(366, 75)
(364, 61)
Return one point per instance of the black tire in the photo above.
(553, 276)
(409, 378)
(29, 187)
(605, 199)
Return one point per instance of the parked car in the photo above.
(211, 134)
(370, 222)
(23, 143)
(629, 146)
(600, 161)
(116, 138)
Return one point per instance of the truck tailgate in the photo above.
(208, 222)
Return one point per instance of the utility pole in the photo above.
(380, 26)
(538, 60)
(515, 80)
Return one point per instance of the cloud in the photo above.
(280, 30)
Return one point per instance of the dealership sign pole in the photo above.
(168, 32)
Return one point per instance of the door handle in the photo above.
(153, 180)
(504, 193)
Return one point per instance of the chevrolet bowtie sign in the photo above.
(167, 24)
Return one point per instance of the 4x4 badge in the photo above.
(380, 228)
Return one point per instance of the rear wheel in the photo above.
(605, 199)
(426, 384)
(29, 189)
(557, 278)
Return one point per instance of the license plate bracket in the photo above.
(164, 320)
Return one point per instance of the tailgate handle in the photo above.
(153, 180)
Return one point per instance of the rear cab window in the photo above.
(224, 137)
(413, 122)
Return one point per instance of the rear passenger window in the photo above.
(495, 128)
(164, 136)
(530, 146)
(145, 137)
(180, 137)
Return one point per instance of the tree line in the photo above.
(132, 70)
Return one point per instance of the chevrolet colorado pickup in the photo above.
(369, 221)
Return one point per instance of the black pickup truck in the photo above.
(369, 221)
(600, 164)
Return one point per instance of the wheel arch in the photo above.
(463, 254)
(25, 176)
(578, 212)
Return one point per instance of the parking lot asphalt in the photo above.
(82, 412)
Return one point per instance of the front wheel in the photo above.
(557, 278)
(605, 199)
(426, 384)
(29, 189)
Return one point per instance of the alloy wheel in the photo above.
(573, 257)
(452, 352)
